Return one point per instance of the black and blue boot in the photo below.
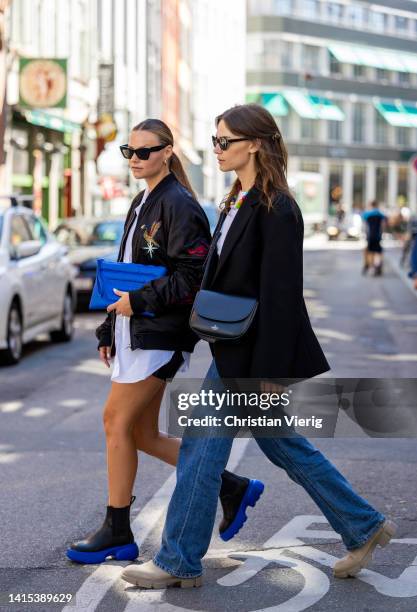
(236, 494)
(114, 539)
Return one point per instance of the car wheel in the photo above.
(65, 333)
(12, 354)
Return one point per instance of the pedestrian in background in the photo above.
(376, 223)
(165, 226)
(259, 254)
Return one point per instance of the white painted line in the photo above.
(73, 403)
(36, 412)
(10, 406)
(92, 366)
(95, 587)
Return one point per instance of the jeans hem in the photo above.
(167, 569)
(369, 535)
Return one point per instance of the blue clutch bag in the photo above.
(123, 276)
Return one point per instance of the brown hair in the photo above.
(253, 121)
(160, 129)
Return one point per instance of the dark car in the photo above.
(88, 240)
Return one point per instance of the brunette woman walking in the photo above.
(259, 255)
(147, 333)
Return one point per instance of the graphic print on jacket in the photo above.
(173, 231)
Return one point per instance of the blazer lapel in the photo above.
(238, 225)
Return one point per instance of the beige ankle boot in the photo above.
(150, 576)
(359, 558)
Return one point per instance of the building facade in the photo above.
(341, 79)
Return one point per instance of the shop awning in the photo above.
(273, 102)
(374, 57)
(313, 107)
(52, 122)
(398, 114)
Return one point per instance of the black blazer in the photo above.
(262, 257)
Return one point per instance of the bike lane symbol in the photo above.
(316, 583)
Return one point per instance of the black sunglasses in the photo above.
(224, 141)
(141, 153)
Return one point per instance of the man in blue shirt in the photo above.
(375, 222)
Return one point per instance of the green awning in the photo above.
(313, 107)
(53, 122)
(273, 102)
(398, 114)
(374, 57)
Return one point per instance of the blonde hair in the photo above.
(160, 129)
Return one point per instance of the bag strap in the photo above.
(213, 244)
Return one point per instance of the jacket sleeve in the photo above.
(280, 292)
(104, 332)
(188, 238)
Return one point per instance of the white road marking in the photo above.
(92, 366)
(36, 412)
(73, 403)
(95, 587)
(10, 406)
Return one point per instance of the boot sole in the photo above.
(128, 552)
(388, 531)
(250, 498)
(149, 583)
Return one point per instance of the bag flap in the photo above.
(222, 307)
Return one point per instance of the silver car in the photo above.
(37, 293)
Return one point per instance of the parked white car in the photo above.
(37, 292)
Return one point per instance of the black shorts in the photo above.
(168, 370)
(374, 245)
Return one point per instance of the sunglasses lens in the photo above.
(126, 152)
(223, 143)
(143, 153)
(214, 140)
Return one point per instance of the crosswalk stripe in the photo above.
(95, 587)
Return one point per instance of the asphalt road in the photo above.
(53, 476)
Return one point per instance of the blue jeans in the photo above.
(192, 509)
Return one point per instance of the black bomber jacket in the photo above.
(172, 230)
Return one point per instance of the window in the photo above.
(309, 166)
(335, 186)
(358, 122)
(287, 53)
(359, 180)
(402, 185)
(311, 58)
(359, 72)
(335, 130)
(382, 184)
(310, 8)
(381, 129)
(309, 129)
(19, 231)
(356, 15)
(271, 55)
(282, 7)
(382, 74)
(401, 24)
(37, 229)
(403, 78)
(403, 136)
(378, 21)
(335, 12)
(335, 65)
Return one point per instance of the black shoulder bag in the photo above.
(219, 316)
